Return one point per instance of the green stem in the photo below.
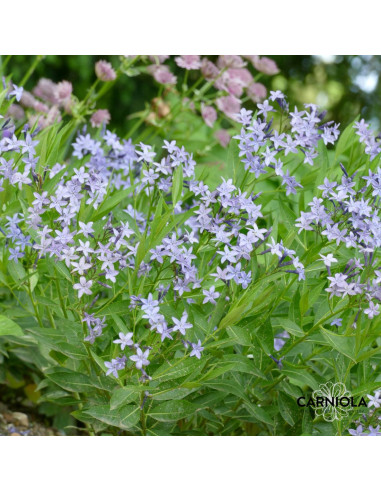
(143, 416)
(51, 319)
(30, 293)
(32, 68)
(62, 304)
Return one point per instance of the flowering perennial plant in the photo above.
(209, 245)
(152, 297)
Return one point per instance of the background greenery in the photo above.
(344, 85)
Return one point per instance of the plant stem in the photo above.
(62, 304)
(32, 68)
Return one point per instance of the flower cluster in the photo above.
(229, 75)
(372, 144)
(49, 101)
(44, 104)
(220, 230)
(264, 147)
(363, 425)
(348, 214)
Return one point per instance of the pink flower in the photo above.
(162, 74)
(229, 105)
(231, 61)
(189, 62)
(242, 75)
(46, 90)
(104, 71)
(257, 92)
(266, 65)
(235, 79)
(28, 100)
(209, 114)
(40, 107)
(252, 58)
(16, 112)
(64, 90)
(158, 59)
(223, 137)
(53, 116)
(209, 69)
(99, 117)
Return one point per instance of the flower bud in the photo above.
(99, 117)
(104, 71)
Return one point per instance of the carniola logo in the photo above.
(332, 401)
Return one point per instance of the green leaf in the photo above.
(114, 308)
(288, 325)
(235, 168)
(265, 337)
(58, 357)
(321, 162)
(98, 360)
(45, 301)
(208, 400)
(78, 382)
(125, 418)
(218, 311)
(46, 141)
(234, 314)
(218, 370)
(366, 388)
(227, 386)
(159, 230)
(303, 303)
(177, 184)
(110, 202)
(122, 396)
(69, 380)
(50, 184)
(287, 216)
(77, 351)
(9, 327)
(287, 409)
(33, 278)
(96, 424)
(300, 377)
(175, 370)
(171, 411)
(173, 394)
(346, 345)
(259, 413)
(16, 271)
(307, 422)
(347, 138)
(239, 334)
(243, 364)
(367, 354)
(63, 271)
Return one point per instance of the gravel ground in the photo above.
(22, 424)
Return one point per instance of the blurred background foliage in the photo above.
(344, 85)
